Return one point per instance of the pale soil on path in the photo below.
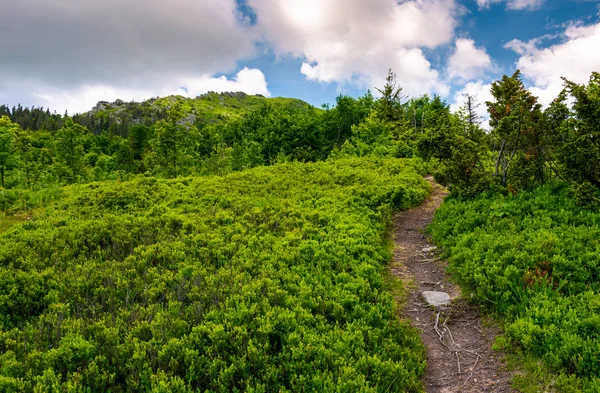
(459, 347)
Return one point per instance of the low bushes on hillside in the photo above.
(535, 259)
(268, 280)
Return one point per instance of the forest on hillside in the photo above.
(238, 243)
(526, 145)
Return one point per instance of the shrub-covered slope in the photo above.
(268, 280)
(204, 109)
(535, 259)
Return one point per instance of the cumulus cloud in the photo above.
(73, 41)
(83, 98)
(575, 58)
(357, 41)
(468, 62)
(513, 4)
(524, 47)
(251, 81)
(125, 46)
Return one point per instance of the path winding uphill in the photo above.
(459, 354)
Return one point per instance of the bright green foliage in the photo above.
(390, 110)
(578, 147)
(460, 147)
(534, 259)
(138, 138)
(35, 150)
(517, 135)
(390, 107)
(439, 131)
(8, 132)
(172, 144)
(267, 280)
(174, 136)
(373, 137)
(213, 107)
(414, 112)
(272, 130)
(525, 147)
(384, 131)
(348, 112)
(119, 117)
(69, 152)
(30, 158)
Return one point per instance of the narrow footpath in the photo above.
(459, 354)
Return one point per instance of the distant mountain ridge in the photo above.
(118, 116)
(207, 108)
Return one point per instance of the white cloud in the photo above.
(250, 81)
(481, 92)
(575, 59)
(523, 47)
(127, 47)
(483, 4)
(83, 98)
(357, 41)
(73, 41)
(513, 4)
(468, 62)
(525, 4)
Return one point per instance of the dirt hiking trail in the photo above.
(459, 354)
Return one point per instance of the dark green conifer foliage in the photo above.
(515, 118)
(389, 107)
(579, 148)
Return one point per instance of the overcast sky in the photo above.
(69, 54)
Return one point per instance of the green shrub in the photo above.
(268, 280)
(535, 259)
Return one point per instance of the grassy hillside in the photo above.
(166, 137)
(268, 280)
(117, 117)
(533, 258)
(208, 108)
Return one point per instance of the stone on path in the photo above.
(429, 249)
(436, 299)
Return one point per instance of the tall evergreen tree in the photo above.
(515, 118)
(389, 106)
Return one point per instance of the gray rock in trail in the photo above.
(429, 249)
(436, 299)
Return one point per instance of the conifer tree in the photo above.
(515, 118)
